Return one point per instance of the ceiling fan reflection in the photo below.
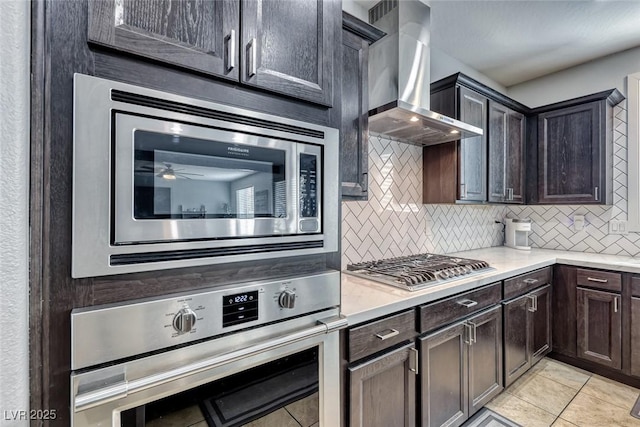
(167, 172)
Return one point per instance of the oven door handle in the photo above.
(122, 389)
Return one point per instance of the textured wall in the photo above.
(394, 222)
(14, 237)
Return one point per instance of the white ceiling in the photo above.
(515, 41)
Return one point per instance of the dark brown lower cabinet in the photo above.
(461, 369)
(527, 332)
(600, 327)
(382, 390)
(517, 351)
(541, 324)
(564, 310)
(635, 336)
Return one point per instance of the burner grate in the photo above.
(417, 271)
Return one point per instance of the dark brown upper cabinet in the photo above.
(480, 168)
(354, 133)
(456, 171)
(506, 134)
(278, 45)
(574, 150)
(472, 162)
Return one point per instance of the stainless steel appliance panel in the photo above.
(107, 333)
(99, 396)
(94, 251)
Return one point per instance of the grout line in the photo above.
(292, 416)
(572, 399)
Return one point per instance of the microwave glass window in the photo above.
(178, 177)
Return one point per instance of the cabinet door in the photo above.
(287, 46)
(517, 350)
(472, 179)
(514, 153)
(202, 36)
(506, 154)
(599, 327)
(354, 133)
(497, 134)
(570, 155)
(564, 307)
(635, 336)
(444, 377)
(382, 391)
(541, 324)
(485, 359)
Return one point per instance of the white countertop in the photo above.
(363, 299)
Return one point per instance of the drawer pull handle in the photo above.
(385, 335)
(530, 281)
(595, 279)
(467, 303)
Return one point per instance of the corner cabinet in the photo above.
(354, 133)
(248, 41)
(575, 149)
(596, 330)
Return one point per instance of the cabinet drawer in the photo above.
(599, 280)
(522, 284)
(635, 286)
(443, 312)
(375, 336)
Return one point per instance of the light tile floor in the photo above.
(303, 413)
(555, 394)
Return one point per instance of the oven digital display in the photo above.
(239, 308)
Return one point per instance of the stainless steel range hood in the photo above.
(399, 77)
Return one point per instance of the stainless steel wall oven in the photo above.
(238, 353)
(163, 181)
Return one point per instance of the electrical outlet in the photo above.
(618, 227)
(578, 222)
(428, 228)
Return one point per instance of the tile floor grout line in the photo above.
(606, 401)
(292, 416)
(532, 404)
(572, 399)
(542, 409)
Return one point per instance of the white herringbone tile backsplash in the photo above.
(394, 222)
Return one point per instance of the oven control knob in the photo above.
(183, 321)
(287, 299)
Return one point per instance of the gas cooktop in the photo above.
(415, 272)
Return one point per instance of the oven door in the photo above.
(279, 380)
(180, 182)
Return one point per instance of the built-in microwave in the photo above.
(163, 181)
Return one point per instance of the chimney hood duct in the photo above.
(399, 78)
